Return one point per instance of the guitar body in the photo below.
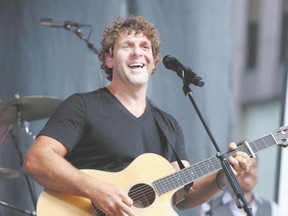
(142, 171)
(147, 174)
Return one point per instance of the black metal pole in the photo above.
(224, 162)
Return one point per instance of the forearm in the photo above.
(202, 190)
(46, 164)
(52, 171)
(60, 177)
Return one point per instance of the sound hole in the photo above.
(98, 212)
(143, 195)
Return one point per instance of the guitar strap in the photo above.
(161, 121)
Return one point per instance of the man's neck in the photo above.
(132, 97)
(249, 196)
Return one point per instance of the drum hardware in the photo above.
(4, 131)
(15, 137)
(19, 111)
(17, 209)
(6, 173)
(28, 108)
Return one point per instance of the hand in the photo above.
(240, 162)
(111, 200)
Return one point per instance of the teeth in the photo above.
(136, 65)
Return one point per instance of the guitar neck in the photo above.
(203, 168)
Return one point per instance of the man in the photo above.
(108, 128)
(224, 204)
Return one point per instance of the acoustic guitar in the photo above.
(150, 181)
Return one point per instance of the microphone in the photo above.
(48, 22)
(182, 71)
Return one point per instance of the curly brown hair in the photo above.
(132, 23)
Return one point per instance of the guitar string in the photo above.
(98, 212)
(164, 182)
(199, 169)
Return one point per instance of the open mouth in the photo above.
(136, 65)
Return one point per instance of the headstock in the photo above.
(281, 136)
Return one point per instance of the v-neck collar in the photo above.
(123, 107)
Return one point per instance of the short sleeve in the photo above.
(68, 122)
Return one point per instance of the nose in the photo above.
(137, 51)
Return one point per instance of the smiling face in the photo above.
(132, 25)
(132, 59)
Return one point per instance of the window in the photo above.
(284, 33)
(252, 33)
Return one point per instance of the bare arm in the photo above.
(46, 164)
(204, 188)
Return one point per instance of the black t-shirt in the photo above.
(102, 134)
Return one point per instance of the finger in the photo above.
(122, 206)
(112, 207)
(126, 205)
(240, 163)
(243, 157)
(232, 146)
(127, 210)
(126, 199)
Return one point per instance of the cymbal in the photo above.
(8, 173)
(27, 108)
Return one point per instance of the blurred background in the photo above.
(239, 48)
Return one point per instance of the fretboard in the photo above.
(203, 168)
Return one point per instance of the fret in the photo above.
(253, 147)
(144, 194)
(200, 169)
(197, 170)
(262, 143)
(186, 176)
(210, 166)
(203, 169)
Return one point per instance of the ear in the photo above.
(108, 60)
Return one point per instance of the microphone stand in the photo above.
(242, 202)
(16, 142)
(78, 32)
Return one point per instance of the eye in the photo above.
(146, 46)
(125, 46)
